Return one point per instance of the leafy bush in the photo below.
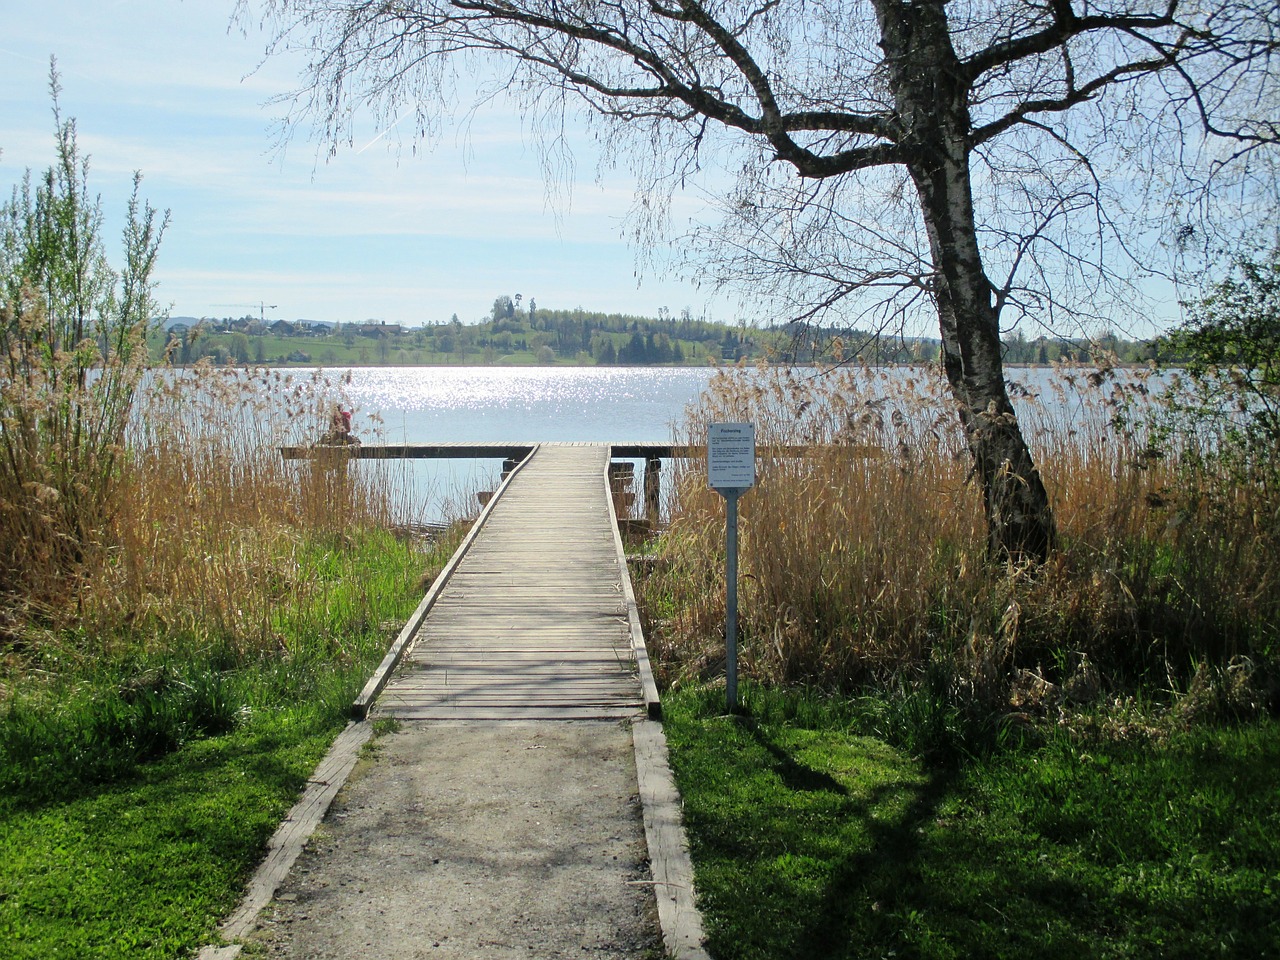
(1225, 411)
(72, 345)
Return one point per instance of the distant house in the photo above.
(380, 329)
(282, 328)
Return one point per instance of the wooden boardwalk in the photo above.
(533, 623)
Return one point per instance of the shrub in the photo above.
(863, 560)
(1225, 413)
(72, 345)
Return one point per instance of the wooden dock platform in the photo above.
(634, 450)
(533, 622)
(533, 619)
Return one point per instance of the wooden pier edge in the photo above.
(376, 683)
(648, 688)
(290, 838)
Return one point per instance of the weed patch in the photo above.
(811, 839)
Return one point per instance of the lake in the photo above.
(542, 404)
(510, 404)
(524, 404)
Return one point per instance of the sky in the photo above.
(168, 88)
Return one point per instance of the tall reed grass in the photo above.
(212, 540)
(863, 561)
(226, 585)
(212, 523)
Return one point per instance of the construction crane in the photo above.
(262, 306)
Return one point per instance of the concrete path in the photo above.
(523, 807)
(476, 840)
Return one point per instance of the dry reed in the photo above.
(209, 530)
(863, 561)
(213, 520)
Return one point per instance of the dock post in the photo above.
(620, 477)
(652, 489)
(330, 469)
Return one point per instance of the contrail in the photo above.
(384, 132)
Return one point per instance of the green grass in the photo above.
(138, 790)
(812, 840)
(146, 865)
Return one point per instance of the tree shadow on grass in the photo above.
(157, 857)
(56, 780)
(891, 866)
(794, 775)
(869, 893)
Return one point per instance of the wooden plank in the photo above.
(292, 835)
(514, 700)
(416, 451)
(678, 913)
(441, 712)
(486, 690)
(513, 694)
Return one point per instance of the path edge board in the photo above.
(671, 869)
(669, 863)
(291, 837)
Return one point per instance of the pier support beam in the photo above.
(620, 478)
(652, 490)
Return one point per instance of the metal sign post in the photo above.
(731, 472)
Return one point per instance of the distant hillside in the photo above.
(512, 335)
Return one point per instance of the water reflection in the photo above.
(523, 405)
(566, 404)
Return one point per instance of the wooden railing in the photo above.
(651, 452)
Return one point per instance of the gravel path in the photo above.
(476, 840)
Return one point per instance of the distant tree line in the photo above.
(517, 332)
(1045, 350)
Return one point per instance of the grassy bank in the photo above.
(814, 837)
(138, 790)
(943, 757)
(167, 686)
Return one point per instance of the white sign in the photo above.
(731, 456)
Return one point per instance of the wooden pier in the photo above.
(633, 450)
(652, 453)
(535, 620)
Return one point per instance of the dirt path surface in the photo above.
(476, 840)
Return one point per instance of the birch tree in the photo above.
(912, 100)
